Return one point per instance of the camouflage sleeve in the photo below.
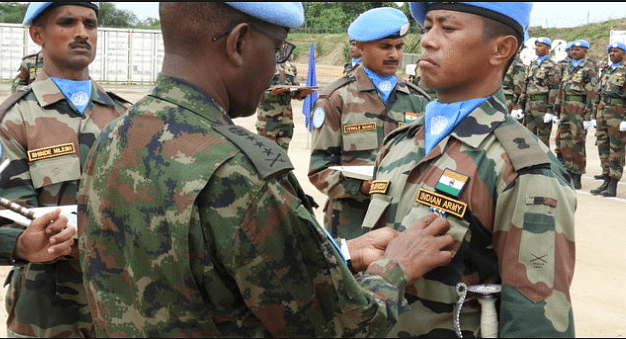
(20, 80)
(534, 242)
(553, 83)
(521, 101)
(591, 85)
(8, 238)
(288, 272)
(326, 152)
(519, 82)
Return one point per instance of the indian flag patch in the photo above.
(452, 183)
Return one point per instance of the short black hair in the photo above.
(492, 29)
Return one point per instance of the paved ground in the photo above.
(597, 293)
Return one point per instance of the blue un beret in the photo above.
(513, 14)
(544, 40)
(285, 14)
(379, 23)
(581, 43)
(37, 8)
(569, 46)
(618, 44)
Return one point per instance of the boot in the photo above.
(602, 187)
(611, 190)
(601, 177)
(576, 179)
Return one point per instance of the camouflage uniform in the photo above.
(47, 141)
(356, 121)
(610, 113)
(349, 69)
(576, 101)
(192, 226)
(514, 82)
(515, 224)
(417, 81)
(275, 115)
(539, 93)
(30, 67)
(564, 64)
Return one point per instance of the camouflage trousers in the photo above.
(610, 141)
(573, 136)
(276, 123)
(343, 218)
(536, 111)
(48, 300)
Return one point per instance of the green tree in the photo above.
(12, 12)
(341, 14)
(150, 23)
(110, 16)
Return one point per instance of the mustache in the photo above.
(80, 42)
(391, 62)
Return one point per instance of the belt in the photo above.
(613, 101)
(539, 97)
(578, 98)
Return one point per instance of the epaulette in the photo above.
(409, 129)
(328, 90)
(523, 150)
(418, 89)
(12, 100)
(118, 98)
(267, 157)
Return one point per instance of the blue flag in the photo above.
(311, 80)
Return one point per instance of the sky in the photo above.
(546, 14)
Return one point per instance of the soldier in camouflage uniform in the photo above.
(30, 67)
(352, 116)
(355, 56)
(46, 132)
(192, 226)
(564, 64)
(541, 87)
(611, 99)
(513, 82)
(274, 114)
(576, 101)
(417, 81)
(506, 196)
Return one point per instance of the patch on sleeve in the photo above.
(51, 152)
(318, 117)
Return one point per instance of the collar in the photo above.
(47, 92)
(577, 63)
(615, 65)
(364, 83)
(540, 60)
(187, 95)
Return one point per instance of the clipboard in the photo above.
(356, 172)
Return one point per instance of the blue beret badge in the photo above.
(318, 117)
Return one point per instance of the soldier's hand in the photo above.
(422, 247)
(47, 238)
(370, 247)
(547, 118)
(279, 90)
(302, 93)
(366, 186)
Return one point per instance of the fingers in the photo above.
(42, 222)
(57, 225)
(426, 221)
(67, 233)
(63, 248)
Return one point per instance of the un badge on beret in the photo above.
(318, 117)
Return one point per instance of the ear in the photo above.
(37, 34)
(503, 49)
(360, 46)
(237, 43)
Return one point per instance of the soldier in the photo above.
(192, 226)
(564, 65)
(576, 102)
(354, 114)
(514, 82)
(610, 114)
(541, 88)
(30, 67)
(46, 132)
(507, 198)
(355, 56)
(417, 81)
(274, 114)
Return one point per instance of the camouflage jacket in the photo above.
(514, 79)
(355, 122)
(192, 226)
(26, 74)
(47, 141)
(286, 74)
(580, 81)
(611, 89)
(513, 220)
(542, 79)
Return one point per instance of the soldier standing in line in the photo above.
(576, 102)
(353, 115)
(564, 65)
(31, 66)
(611, 101)
(509, 201)
(417, 81)
(514, 82)
(355, 56)
(275, 114)
(541, 87)
(192, 226)
(46, 132)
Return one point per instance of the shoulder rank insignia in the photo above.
(452, 183)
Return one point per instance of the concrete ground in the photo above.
(599, 302)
